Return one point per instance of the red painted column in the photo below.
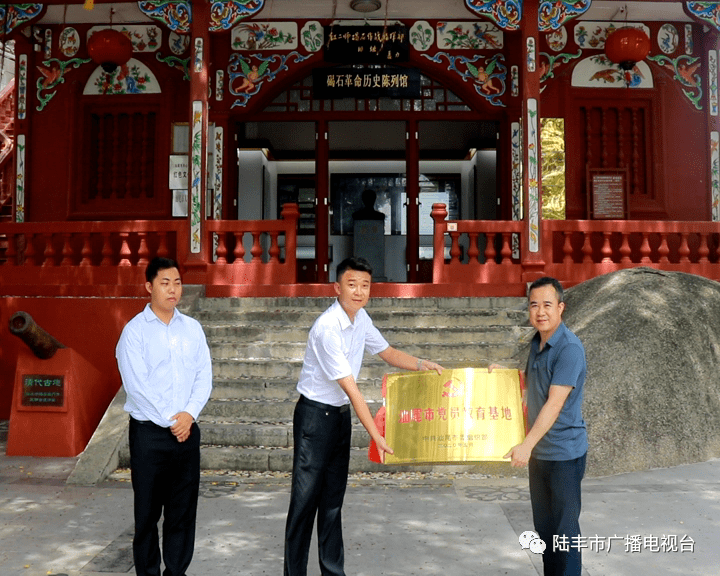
(322, 200)
(412, 173)
(198, 253)
(532, 256)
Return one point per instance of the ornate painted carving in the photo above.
(224, 15)
(15, 15)
(422, 36)
(685, 68)
(557, 39)
(689, 44)
(668, 38)
(218, 157)
(514, 81)
(47, 45)
(131, 78)
(548, 63)
(552, 15)
(174, 62)
(69, 42)
(468, 35)
(20, 179)
(195, 206)
(531, 55)
(598, 72)
(516, 181)
(715, 174)
(264, 36)
(592, 34)
(22, 86)
(713, 82)
(179, 43)
(246, 74)
(219, 84)
(488, 78)
(706, 11)
(533, 184)
(175, 14)
(312, 36)
(505, 13)
(198, 55)
(53, 73)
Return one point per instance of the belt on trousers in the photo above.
(330, 407)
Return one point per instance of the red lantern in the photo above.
(627, 46)
(110, 48)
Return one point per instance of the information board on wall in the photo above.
(607, 195)
(43, 390)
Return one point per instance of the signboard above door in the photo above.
(366, 44)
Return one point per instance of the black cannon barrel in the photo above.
(38, 340)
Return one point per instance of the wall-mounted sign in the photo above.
(607, 193)
(40, 390)
(375, 82)
(366, 44)
(178, 174)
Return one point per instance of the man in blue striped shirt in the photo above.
(165, 365)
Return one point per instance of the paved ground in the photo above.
(662, 522)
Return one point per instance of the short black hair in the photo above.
(548, 281)
(157, 264)
(353, 263)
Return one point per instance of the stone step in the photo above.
(260, 410)
(304, 319)
(373, 369)
(277, 389)
(221, 333)
(263, 434)
(393, 304)
(456, 351)
(280, 460)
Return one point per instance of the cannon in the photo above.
(42, 344)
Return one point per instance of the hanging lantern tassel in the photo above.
(626, 47)
(89, 4)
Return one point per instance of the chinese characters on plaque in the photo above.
(463, 415)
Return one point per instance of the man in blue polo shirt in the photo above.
(556, 444)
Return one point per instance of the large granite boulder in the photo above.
(652, 395)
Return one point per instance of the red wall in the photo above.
(90, 326)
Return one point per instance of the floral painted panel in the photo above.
(422, 36)
(468, 35)
(312, 36)
(557, 39)
(195, 205)
(598, 72)
(69, 42)
(179, 43)
(532, 176)
(265, 36)
(131, 78)
(20, 179)
(668, 38)
(715, 174)
(593, 34)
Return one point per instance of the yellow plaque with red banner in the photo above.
(463, 415)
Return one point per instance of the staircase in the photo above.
(257, 345)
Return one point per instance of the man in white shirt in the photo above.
(321, 424)
(165, 365)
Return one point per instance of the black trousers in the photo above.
(166, 480)
(321, 459)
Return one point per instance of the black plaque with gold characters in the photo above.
(366, 44)
(42, 390)
(366, 82)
